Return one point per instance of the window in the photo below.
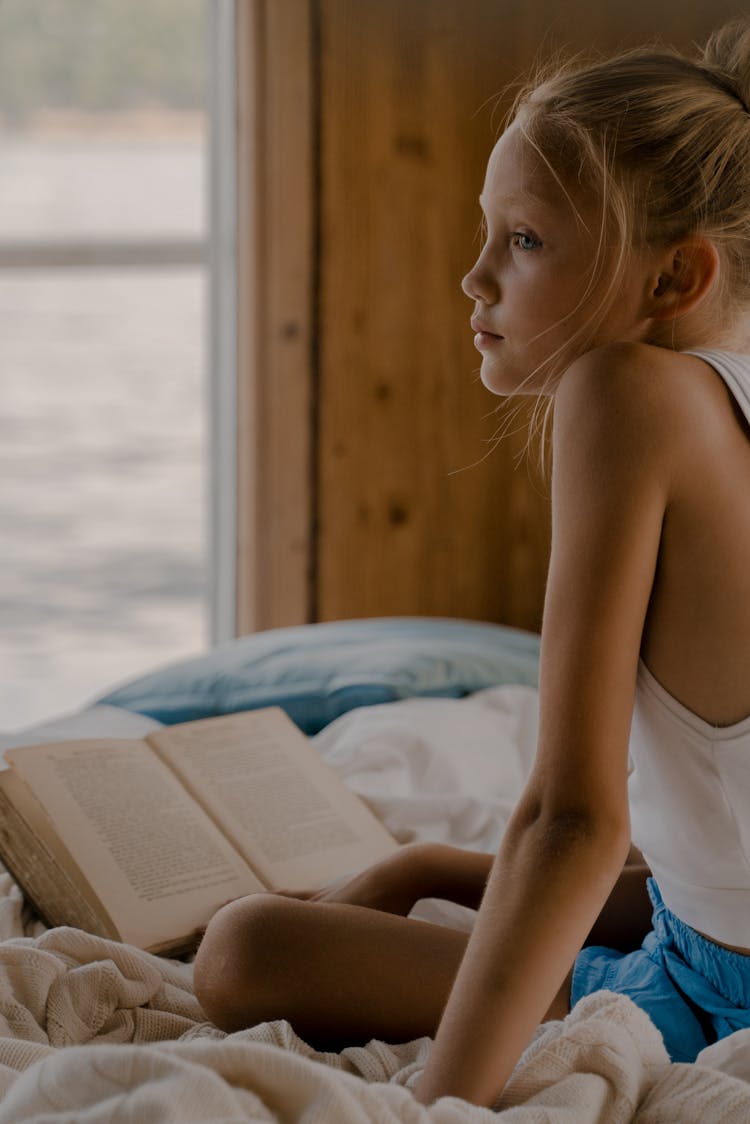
(103, 328)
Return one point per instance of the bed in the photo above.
(433, 722)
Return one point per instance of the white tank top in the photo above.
(689, 785)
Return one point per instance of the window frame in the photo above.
(261, 256)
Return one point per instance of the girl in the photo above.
(614, 281)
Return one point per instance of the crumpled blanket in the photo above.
(93, 1031)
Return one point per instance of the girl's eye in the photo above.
(524, 241)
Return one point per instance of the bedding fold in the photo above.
(96, 1031)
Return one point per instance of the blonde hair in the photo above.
(662, 142)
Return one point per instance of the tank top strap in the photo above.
(733, 368)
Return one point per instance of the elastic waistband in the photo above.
(728, 972)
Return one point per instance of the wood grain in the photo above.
(412, 98)
(276, 223)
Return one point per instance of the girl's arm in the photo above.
(568, 839)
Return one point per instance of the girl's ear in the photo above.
(689, 270)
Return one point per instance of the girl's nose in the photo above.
(479, 285)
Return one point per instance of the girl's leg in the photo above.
(341, 974)
(627, 914)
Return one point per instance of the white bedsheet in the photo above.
(98, 720)
(94, 1031)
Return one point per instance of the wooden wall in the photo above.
(375, 489)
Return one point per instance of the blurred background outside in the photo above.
(103, 471)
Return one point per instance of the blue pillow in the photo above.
(317, 672)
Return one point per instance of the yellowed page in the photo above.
(283, 807)
(62, 909)
(152, 856)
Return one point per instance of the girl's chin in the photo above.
(499, 391)
(499, 380)
(502, 380)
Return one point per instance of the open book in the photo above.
(142, 841)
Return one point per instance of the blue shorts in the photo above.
(694, 990)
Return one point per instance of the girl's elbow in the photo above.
(593, 831)
(577, 827)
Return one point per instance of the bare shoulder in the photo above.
(624, 378)
(628, 400)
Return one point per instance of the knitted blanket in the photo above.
(93, 1031)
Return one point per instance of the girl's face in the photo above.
(529, 284)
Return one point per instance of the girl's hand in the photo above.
(393, 884)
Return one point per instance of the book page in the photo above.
(151, 855)
(283, 807)
(42, 865)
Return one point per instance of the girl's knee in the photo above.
(237, 965)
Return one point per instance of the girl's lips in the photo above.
(485, 340)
